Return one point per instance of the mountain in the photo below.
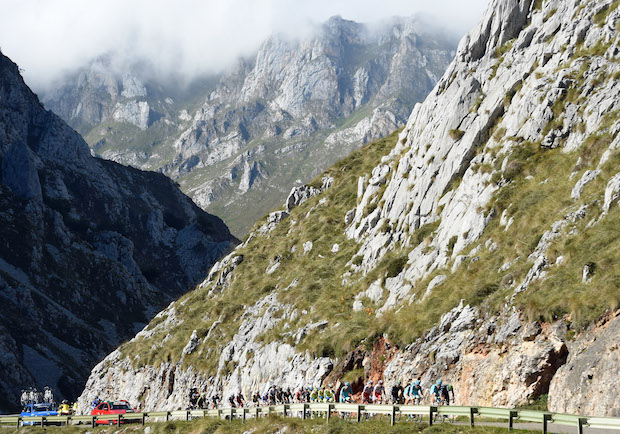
(276, 119)
(90, 250)
(478, 245)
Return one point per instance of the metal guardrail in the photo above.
(303, 410)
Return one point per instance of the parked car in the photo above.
(112, 408)
(41, 409)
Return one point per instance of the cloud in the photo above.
(49, 38)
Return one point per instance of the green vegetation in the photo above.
(540, 403)
(324, 226)
(533, 190)
(456, 134)
(504, 48)
(537, 5)
(550, 14)
(601, 16)
(277, 424)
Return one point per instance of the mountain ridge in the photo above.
(82, 244)
(477, 246)
(240, 150)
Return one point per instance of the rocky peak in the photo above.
(476, 246)
(323, 94)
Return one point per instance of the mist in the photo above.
(184, 38)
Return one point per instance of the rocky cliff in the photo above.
(89, 250)
(127, 113)
(478, 245)
(276, 119)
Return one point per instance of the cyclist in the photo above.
(95, 403)
(346, 393)
(328, 394)
(407, 392)
(215, 400)
(397, 393)
(321, 393)
(299, 395)
(436, 393)
(240, 399)
(64, 409)
(415, 393)
(445, 392)
(367, 393)
(314, 394)
(379, 393)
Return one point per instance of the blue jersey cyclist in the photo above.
(416, 392)
(346, 393)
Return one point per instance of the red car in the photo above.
(112, 408)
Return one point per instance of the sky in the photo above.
(49, 38)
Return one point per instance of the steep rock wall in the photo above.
(89, 251)
(478, 247)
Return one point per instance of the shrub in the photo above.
(451, 243)
(396, 266)
(456, 134)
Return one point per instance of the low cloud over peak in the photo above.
(185, 37)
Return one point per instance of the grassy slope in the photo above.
(324, 227)
(537, 195)
(535, 190)
(275, 424)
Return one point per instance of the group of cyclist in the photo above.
(34, 396)
(412, 394)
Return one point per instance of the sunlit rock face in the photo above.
(533, 91)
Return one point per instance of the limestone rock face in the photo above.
(82, 246)
(526, 113)
(591, 369)
(503, 368)
(274, 120)
(136, 113)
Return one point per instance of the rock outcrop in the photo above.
(477, 246)
(89, 250)
(276, 119)
(591, 369)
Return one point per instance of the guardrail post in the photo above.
(430, 415)
(19, 419)
(118, 420)
(284, 410)
(243, 414)
(93, 421)
(511, 421)
(546, 419)
(472, 411)
(393, 416)
(43, 421)
(143, 418)
(582, 422)
(187, 415)
(231, 413)
(256, 415)
(303, 413)
(359, 413)
(167, 416)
